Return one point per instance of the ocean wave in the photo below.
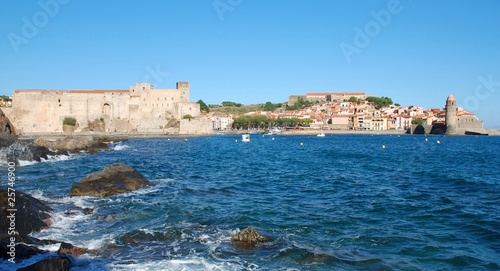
(120, 147)
(50, 159)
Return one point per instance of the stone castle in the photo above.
(141, 108)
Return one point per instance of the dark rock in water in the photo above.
(14, 150)
(88, 211)
(50, 264)
(32, 215)
(249, 236)
(69, 249)
(114, 179)
(85, 211)
(22, 251)
(27, 151)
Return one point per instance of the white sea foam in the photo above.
(81, 202)
(23, 163)
(50, 159)
(57, 158)
(120, 147)
(192, 263)
(96, 244)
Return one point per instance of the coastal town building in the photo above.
(141, 108)
(221, 122)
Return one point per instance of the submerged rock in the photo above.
(49, 264)
(69, 249)
(113, 179)
(249, 236)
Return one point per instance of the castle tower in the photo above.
(183, 87)
(451, 115)
(140, 89)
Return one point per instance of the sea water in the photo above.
(342, 202)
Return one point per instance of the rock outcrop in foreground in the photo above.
(249, 237)
(32, 215)
(113, 179)
(49, 264)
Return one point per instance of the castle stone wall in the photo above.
(141, 108)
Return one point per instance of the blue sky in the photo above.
(252, 51)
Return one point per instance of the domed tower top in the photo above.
(451, 100)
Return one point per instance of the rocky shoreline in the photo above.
(13, 149)
(36, 216)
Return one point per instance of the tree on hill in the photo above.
(354, 100)
(203, 106)
(299, 104)
(227, 103)
(379, 102)
(268, 106)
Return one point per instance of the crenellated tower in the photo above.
(183, 87)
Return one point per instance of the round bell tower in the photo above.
(451, 115)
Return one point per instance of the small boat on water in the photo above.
(245, 137)
(274, 131)
(321, 134)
